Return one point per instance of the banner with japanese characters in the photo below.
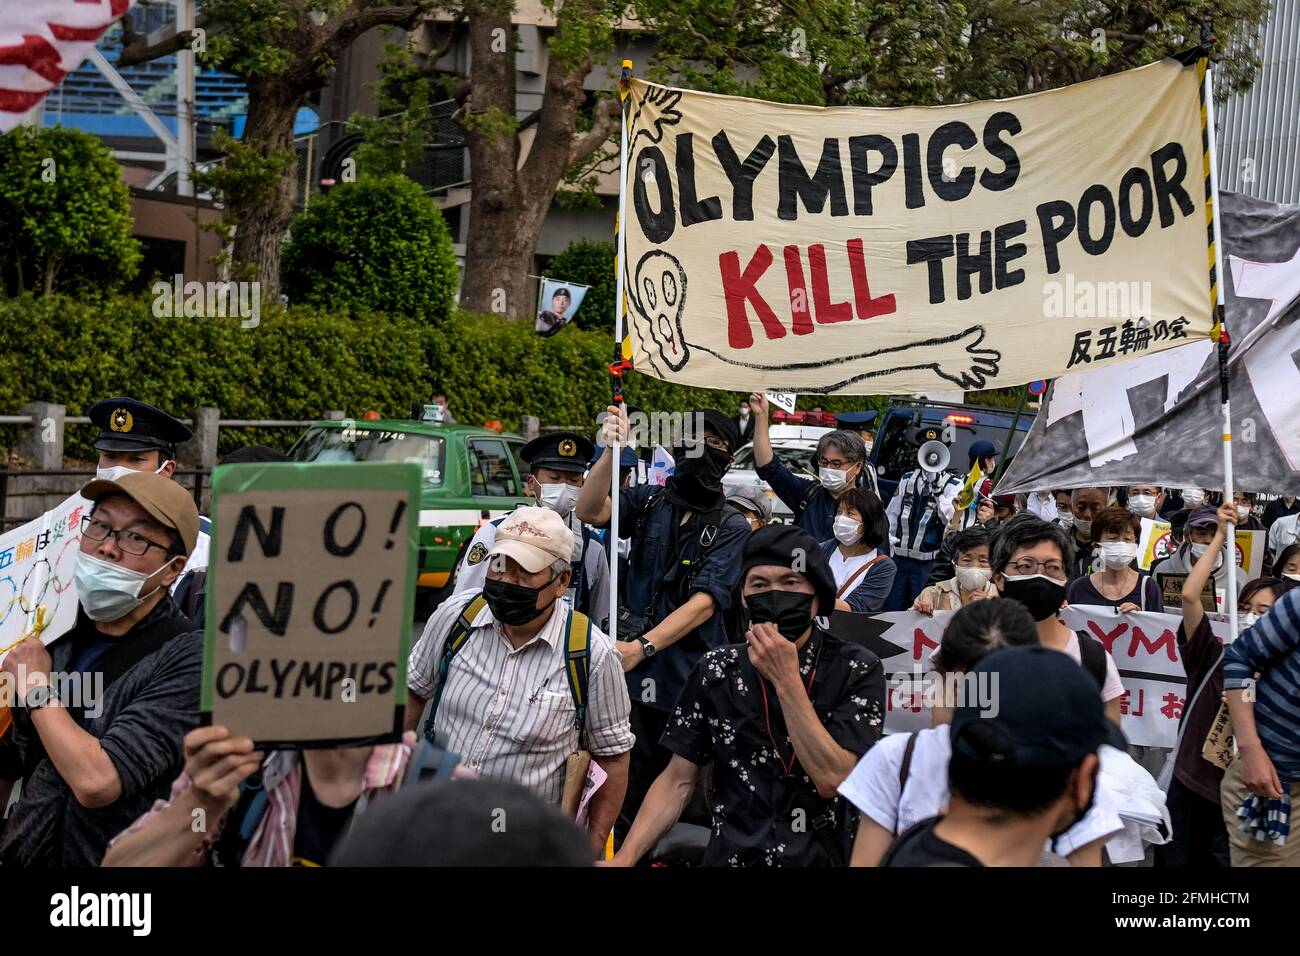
(38, 561)
(1143, 644)
(1159, 419)
(782, 247)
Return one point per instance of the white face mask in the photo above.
(1292, 577)
(1199, 549)
(1143, 506)
(1118, 554)
(1243, 512)
(108, 591)
(833, 479)
(847, 531)
(973, 579)
(560, 498)
(1066, 521)
(1193, 497)
(117, 471)
(1247, 620)
(1083, 527)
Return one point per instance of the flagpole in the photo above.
(1220, 312)
(620, 364)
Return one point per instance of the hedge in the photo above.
(302, 361)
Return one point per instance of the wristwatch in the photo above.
(647, 648)
(38, 697)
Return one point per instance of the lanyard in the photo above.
(787, 768)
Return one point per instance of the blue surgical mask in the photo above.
(108, 591)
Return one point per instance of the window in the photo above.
(331, 444)
(490, 473)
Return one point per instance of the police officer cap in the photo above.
(855, 420)
(126, 424)
(981, 450)
(561, 451)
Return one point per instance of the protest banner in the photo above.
(783, 400)
(41, 42)
(311, 594)
(37, 564)
(557, 303)
(974, 245)
(1158, 419)
(1143, 644)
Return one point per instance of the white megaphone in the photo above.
(933, 457)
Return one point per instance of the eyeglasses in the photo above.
(128, 541)
(709, 440)
(1052, 568)
(839, 464)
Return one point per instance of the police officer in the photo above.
(558, 463)
(923, 503)
(135, 436)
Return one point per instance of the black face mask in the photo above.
(1079, 814)
(514, 604)
(790, 611)
(702, 471)
(1040, 595)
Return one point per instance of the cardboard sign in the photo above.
(867, 251)
(1171, 586)
(783, 400)
(311, 594)
(1155, 542)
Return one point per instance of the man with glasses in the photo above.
(1031, 559)
(102, 711)
(684, 569)
(841, 463)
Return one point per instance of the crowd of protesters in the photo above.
(729, 723)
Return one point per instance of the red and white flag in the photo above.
(41, 42)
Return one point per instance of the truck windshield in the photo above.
(372, 444)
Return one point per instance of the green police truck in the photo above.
(471, 475)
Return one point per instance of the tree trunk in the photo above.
(262, 217)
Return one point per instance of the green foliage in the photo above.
(302, 361)
(65, 214)
(297, 363)
(591, 263)
(918, 52)
(377, 244)
(396, 139)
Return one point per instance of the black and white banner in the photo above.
(1157, 419)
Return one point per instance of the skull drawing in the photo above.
(658, 297)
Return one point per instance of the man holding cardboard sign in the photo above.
(518, 683)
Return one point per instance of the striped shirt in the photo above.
(1271, 647)
(507, 711)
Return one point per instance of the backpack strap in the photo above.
(904, 771)
(1142, 591)
(577, 668)
(808, 496)
(456, 638)
(1093, 658)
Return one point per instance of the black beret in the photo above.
(781, 544)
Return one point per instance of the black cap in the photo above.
(724, 426)
(561, 451)
(1045, 712)
(982, 449)
(463, 823)
(786, 544)
(129, 425)
(855, 420)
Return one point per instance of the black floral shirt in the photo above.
(764, 815)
